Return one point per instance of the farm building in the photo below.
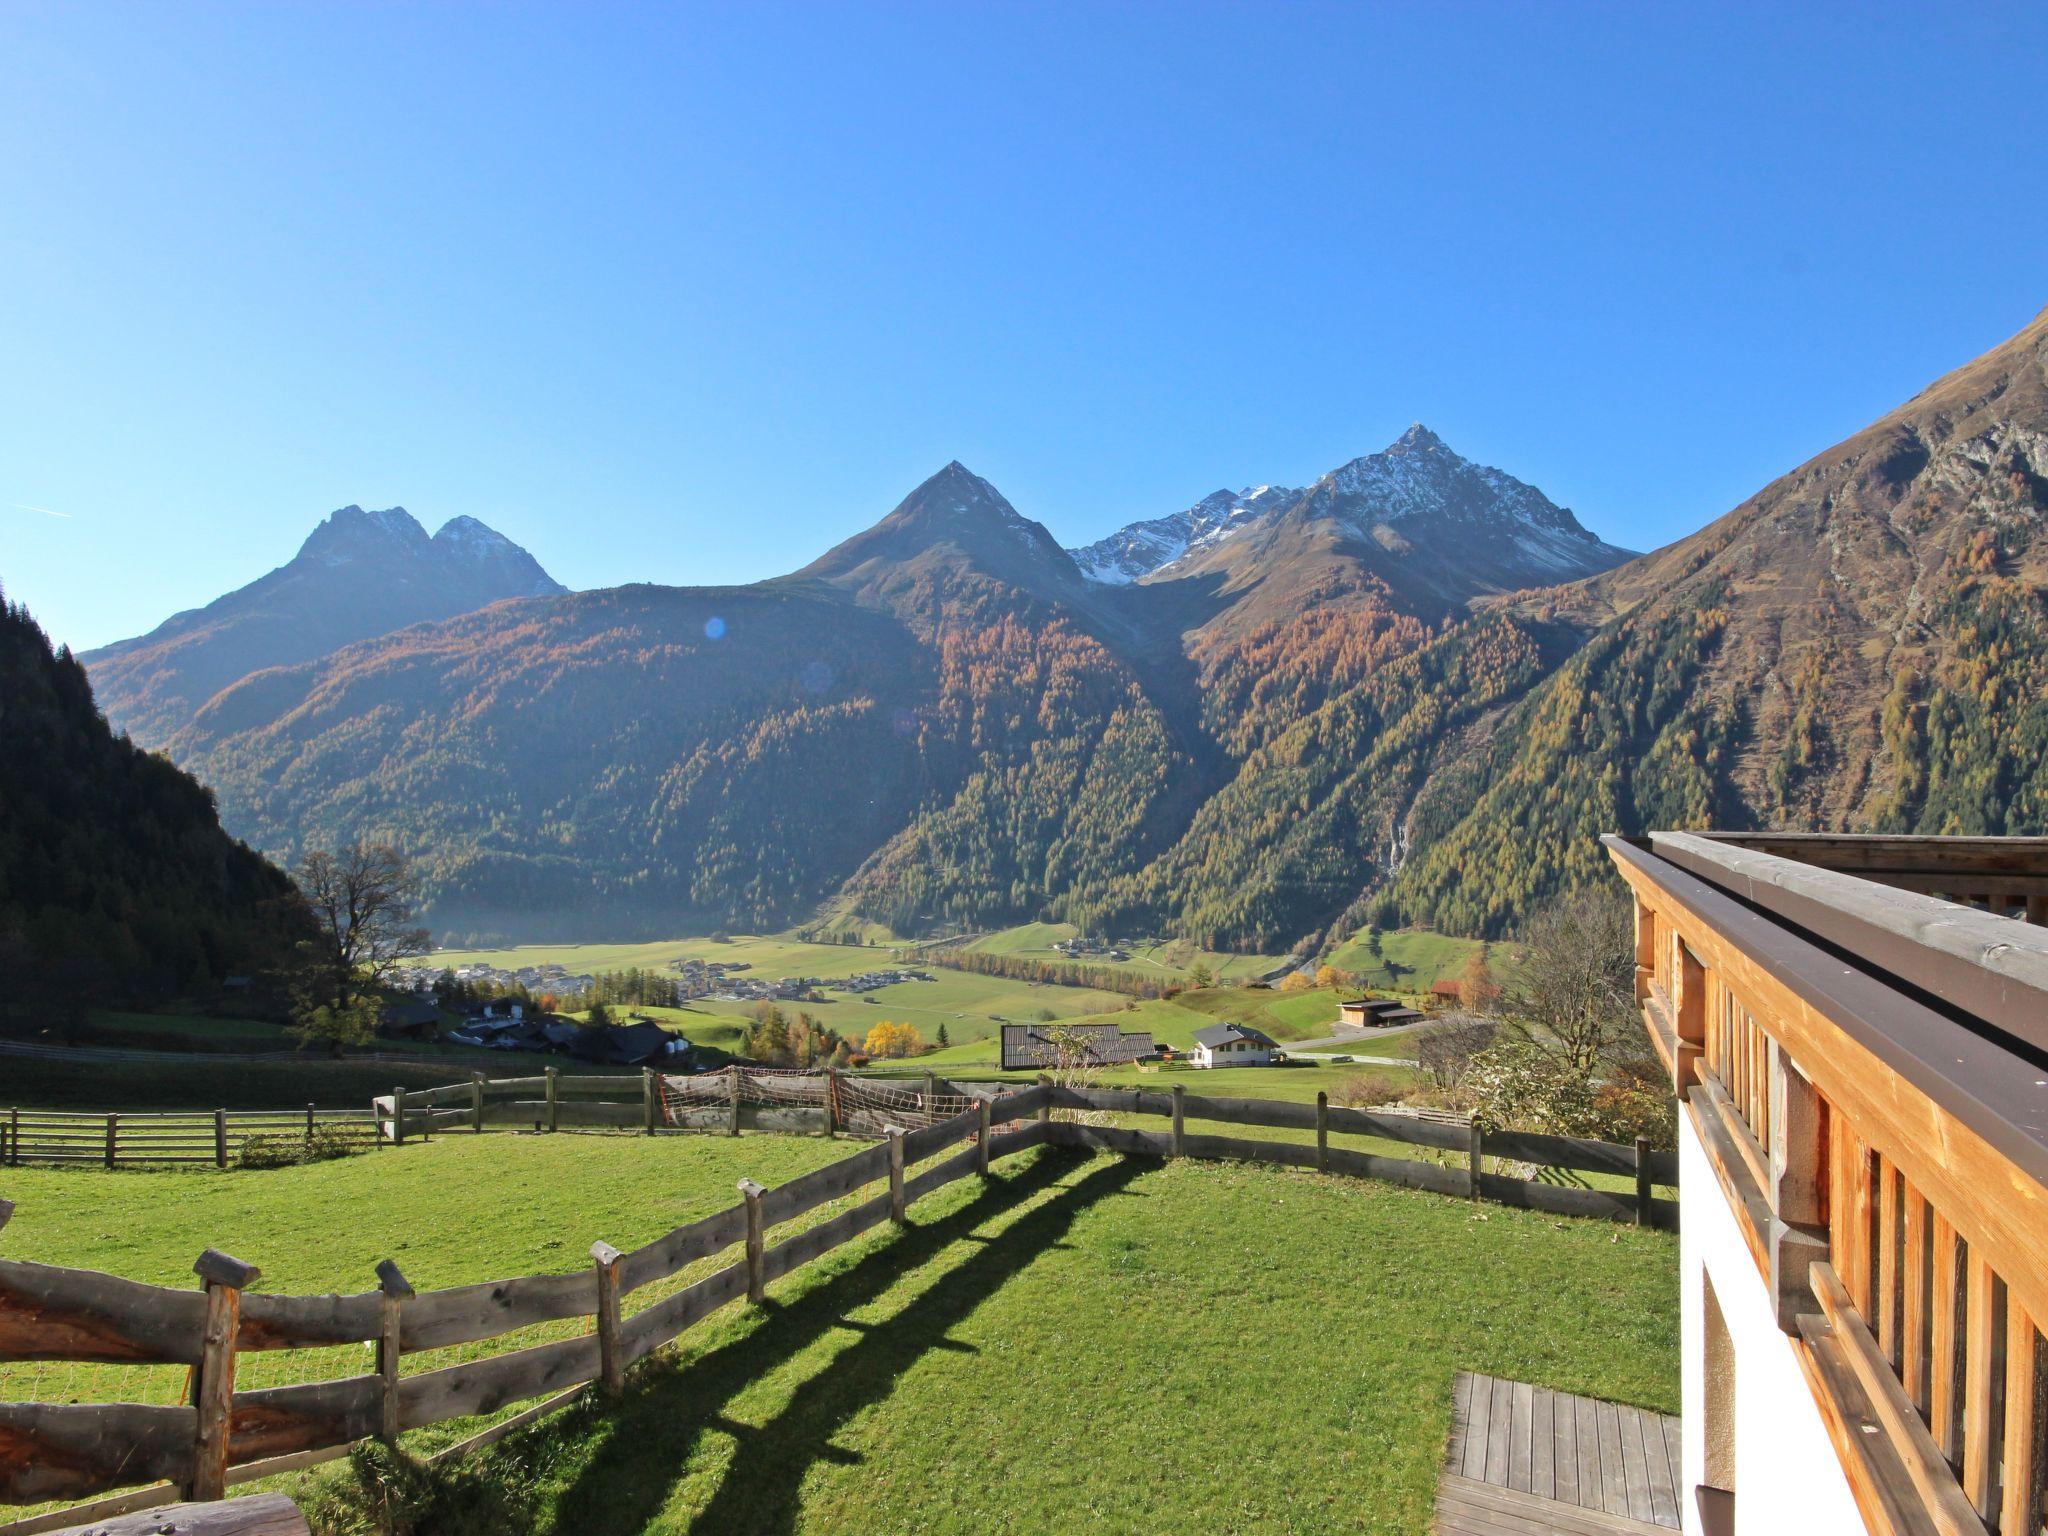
(1446, 992)
(1374, 1013)
(1051, 1045)
(1234, 1045)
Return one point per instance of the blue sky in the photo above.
(686, 294)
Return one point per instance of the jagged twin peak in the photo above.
(463, 546)
(358, 575)
(1414, 491)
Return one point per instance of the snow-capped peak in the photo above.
(1142, 548)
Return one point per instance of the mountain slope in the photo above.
(1862, 645)
(359, 574)
(116, 880)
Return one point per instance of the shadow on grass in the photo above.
(649, 1438)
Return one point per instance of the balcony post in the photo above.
(1798, 1236)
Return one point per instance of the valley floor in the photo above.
(1082, 1342)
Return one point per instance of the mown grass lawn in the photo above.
(1169, 960)
(1069, 1347)
(1062, 1347)
(1422, 957)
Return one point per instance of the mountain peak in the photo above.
(1140, 549)
(349, 533)
(956, 517)
(1417, 439)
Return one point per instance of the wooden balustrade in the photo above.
(1864, 1067)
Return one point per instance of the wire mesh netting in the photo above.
(861, 1106)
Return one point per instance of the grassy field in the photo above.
(1169, 960)
(1422, 958)
(960, 1375)
(1286, 1016)
(971, 1008)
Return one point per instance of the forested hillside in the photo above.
(116, 881)
(1363, 702)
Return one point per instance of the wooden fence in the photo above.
(112, 1138)
(223, 1436)
(1465, 1174)
(733, 1099)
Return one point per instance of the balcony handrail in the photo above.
(1968, 1073)
(1988, 966)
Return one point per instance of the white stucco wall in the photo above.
(1787, 1479)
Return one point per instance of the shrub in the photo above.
(1359, 1090)
(1447, 1052)
(287, 1149)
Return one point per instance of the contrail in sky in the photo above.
(46, 511)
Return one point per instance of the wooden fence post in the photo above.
(220, 1138)
(113, 1121)
(895, 1135)
(554, 1074)
(1045, 1104)
(476, 1102)
(611, 1366)
(757, 1285)
(309, 1127)
(648, 1100)
(981, 1158)
(14, 1135)
(931, 1095)
(734, 1128)
(831, 1101)
(1643, 1191)
(1322, 1133)
(393, 1293)
(226, 1278)
(1476, 1151)
(1180, 1094)
(398, 1116)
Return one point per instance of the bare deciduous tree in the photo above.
(362, 898)
(1446, 1051)
(1573, 993)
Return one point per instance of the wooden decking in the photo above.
(1535, 1462)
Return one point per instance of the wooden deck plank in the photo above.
(1589, 1452)
(1498, 1434)
(1565, 1418)
(1523, 1458)
(1663, 1486)
(1521, 1424)
(1542, 1447)
(1475, 1428)
(1635, 1464)
(1613, 1469)
(1468, 1508)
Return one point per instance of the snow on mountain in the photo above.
(1142, 548)
(1418, 482)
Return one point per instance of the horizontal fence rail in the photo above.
(224, 1435)
(73, 1450)
(118, 1138)
(1467, 1175)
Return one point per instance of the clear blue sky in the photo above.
(685, 294)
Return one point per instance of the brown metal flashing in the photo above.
(1979, 1079)
(1991, 967)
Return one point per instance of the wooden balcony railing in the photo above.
(1866, 1066)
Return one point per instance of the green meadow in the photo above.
(906, 1381)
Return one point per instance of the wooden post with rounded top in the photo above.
(225, 1279)
(393, 1292)
(895, 1135)
(611, 1364)
(757, 1285)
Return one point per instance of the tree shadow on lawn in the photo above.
(649, 1438)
